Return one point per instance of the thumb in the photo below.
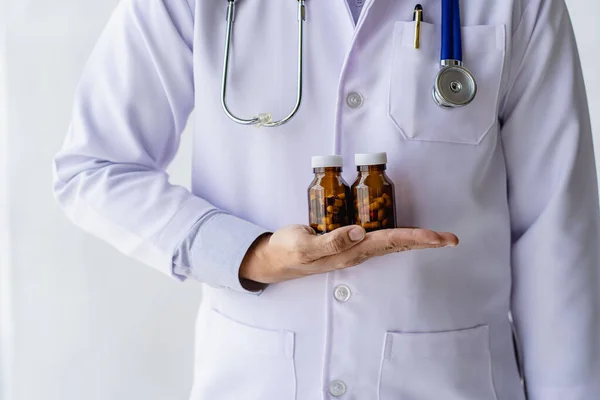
(337, 241)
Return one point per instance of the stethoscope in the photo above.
(263, 119)
(454, 85)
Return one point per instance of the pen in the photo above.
(418, 17)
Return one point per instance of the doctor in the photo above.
(291, 316)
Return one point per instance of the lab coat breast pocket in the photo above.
(411, 104)
(454, 365)
(239, 361)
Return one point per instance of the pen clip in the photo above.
(418, 18)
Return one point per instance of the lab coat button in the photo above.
(337, 388)
(354, 100)
(342, 293)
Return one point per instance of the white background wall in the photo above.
(81, 321)
(78, 321)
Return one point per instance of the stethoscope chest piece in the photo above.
(454, 86)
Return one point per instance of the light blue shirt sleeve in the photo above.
(214, 250)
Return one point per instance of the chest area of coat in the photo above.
(265, 38)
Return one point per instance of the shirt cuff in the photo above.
(214, 250)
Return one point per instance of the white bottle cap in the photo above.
(370, 159)
(327, 161)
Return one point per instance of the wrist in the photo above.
(254, 264)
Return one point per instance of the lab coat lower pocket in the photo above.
(454, 365)
(239, 361)
(411, 105)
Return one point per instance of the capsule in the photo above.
(387, 201)
(371, 225)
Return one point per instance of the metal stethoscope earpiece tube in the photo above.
(455, 85)
(263, 119)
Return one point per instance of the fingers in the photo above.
(392, 241)
(401, 239)
(409, 238)
(334, 242)
(450, 239)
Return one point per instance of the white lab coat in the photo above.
(512, 174)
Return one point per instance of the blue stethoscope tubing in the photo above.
(455, 85)
(451, 31)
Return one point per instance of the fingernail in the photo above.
(435, 241)
(357, 234)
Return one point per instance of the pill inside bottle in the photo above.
(373, 193)
(328, 195)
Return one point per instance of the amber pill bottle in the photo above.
(373, 193)
(328, 195)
